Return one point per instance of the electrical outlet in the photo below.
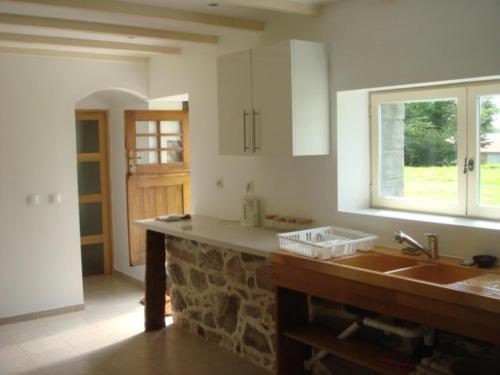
(249, 187)
(219, 184)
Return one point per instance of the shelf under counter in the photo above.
(355, 350)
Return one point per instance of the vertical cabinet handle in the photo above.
(254, 131)
(245, 147)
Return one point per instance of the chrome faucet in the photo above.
(431, 251)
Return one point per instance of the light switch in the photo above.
(33, 200)
(55, 198)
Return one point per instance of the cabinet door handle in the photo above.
(254, 131)
(245, 147)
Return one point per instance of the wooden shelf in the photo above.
(354, 350)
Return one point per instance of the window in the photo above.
(437, 150)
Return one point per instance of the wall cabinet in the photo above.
(274, 101)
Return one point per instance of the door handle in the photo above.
(254, 131)
(245, 147)
(468, 165)
(131, 162)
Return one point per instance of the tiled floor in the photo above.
(108, 338)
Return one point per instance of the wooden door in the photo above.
(234, 82)
(93, 192)
(158, 180)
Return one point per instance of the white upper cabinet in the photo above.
(234, 74)
(274, 101)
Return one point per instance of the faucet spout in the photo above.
(431, 251)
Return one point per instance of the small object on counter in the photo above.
(173, 217)
(290, 224)
(249, 211)
(467, 262)
(303, 224)
(279, 224)
(484, 261)
(269, 221)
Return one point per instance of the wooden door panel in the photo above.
(99, 155)
(151, 196)
(158, 182)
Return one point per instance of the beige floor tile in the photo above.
(109, 338)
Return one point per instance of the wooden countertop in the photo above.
(479, 292)
(222, 233)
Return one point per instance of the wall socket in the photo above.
(219, 183)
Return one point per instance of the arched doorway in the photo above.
(99, 136)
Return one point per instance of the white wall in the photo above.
(372, 43)
(40, 266)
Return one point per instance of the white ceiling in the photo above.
(39, 10)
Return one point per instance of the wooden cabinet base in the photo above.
(156, 281)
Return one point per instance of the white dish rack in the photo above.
(326, 242)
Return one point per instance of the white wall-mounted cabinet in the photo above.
(274, 101)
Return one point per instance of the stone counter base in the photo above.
(225, 297)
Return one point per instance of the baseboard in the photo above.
(42, 314)
(129, 278)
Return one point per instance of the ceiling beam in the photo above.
(104, 28)
(277, 5)
(77, 55)
(120, 7)
(87, 43)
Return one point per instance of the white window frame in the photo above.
(415, 204)
(474, 208)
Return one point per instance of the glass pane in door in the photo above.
(170, 127)
(146, 142)
(92, 259)
(89, 177)
(147, 157)
(171, 157)
(489, 140)
(87, 136)
(90, 219)
(418, 157)
(171, 141)
(145, 127)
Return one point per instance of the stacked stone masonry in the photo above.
(224, 296)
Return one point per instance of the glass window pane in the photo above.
(146, 142)
(171, 157)
(171, 141)
(419, 150)
(170, 127)
(87, 136)
(92, 259)
(147, 157)
(89, 178)
(489, 173)
(145, 127)
(90, 219)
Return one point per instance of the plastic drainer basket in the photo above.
(326, 242)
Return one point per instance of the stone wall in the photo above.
(224, 296)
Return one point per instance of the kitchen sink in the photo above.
(438, 273)
(376, 262)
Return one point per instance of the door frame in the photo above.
(106, 238)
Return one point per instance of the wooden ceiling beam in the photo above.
(277, 5)
(104, 28)
(120, 7)
(70, 54)
(87, 43)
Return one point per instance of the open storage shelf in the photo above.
(354, 350)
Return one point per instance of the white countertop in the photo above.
(221, 233)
